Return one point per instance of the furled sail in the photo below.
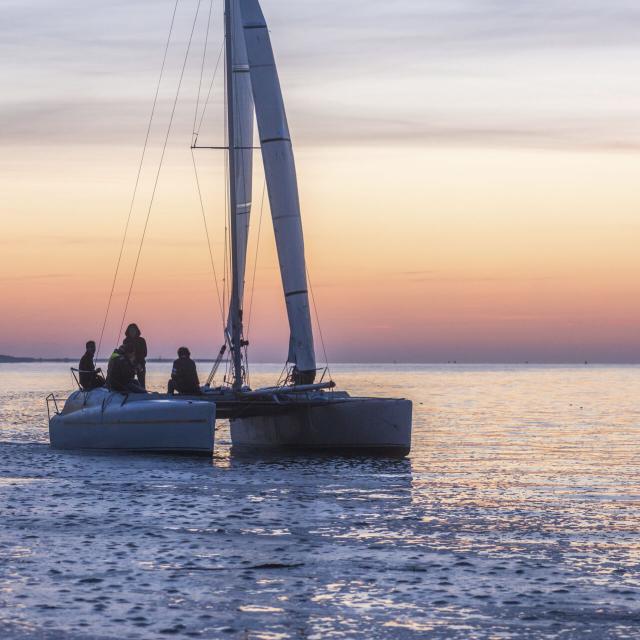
(280, 171)
(243, 134)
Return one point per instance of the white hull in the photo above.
(356, 425)
(109, 421)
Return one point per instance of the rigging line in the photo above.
(226, 198)
(164, 149)
(206, 102)
(227, 207)
(228, 238)
(204, 58)
(226, 266)
(255, 262)
(281, 378)
(315, 308)
(137, 182)
(226, 234)
(247, 372)
(206, 230)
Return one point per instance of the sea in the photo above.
(517, 515)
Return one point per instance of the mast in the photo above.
(234, 310)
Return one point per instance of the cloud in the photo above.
(437, 277)
(36, 241)
(551, 74)
(30, 278)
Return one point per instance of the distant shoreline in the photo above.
(20, 360)
(27, 360)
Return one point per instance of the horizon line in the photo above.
(161, 360)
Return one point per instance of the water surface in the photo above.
(517, 515)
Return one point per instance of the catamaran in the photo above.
(299, 412)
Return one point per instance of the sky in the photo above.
(467, 170)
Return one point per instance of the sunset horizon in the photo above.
(450, 218)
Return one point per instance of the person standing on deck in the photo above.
(133, 337)
(90, 377)
(184, 376)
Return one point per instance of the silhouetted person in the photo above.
(122, 371)
(184, 376)
(90, 377)
(133, 337)
(117, 352)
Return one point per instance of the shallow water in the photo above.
(516, 516)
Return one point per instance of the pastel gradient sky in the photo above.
(468, 172)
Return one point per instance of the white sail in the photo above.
(243, 134)
(280, 171)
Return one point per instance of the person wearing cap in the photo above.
(117, 352)
(90, 377)
(184, 375)
(122, 371)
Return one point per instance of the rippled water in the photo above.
(516, 516)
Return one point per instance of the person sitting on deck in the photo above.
(90, 377)
(122, 371)
(133, 336)
(184, 376)
(119, 351)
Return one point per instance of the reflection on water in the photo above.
(516, 516)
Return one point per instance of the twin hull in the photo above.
(110, 421)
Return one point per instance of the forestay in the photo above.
(280, 171)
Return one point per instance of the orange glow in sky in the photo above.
(452, 210)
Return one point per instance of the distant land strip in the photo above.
(20, 360)
(537, 363)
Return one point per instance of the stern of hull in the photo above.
(154, 426)
(364, 426)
